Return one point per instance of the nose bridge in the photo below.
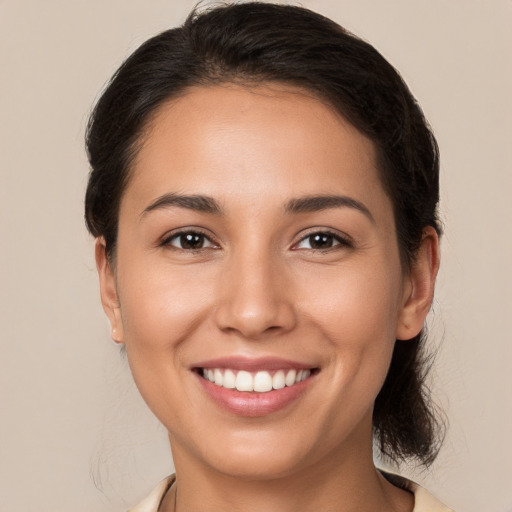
(254, 298)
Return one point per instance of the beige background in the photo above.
(68, 407)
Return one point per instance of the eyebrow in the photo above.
(198, 203)
(310, 204)
(307, 204)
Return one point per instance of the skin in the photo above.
(258, 288)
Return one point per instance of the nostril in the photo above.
(255, 319)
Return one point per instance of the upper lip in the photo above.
(253, 364)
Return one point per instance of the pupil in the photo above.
(321, 241)
(192, 241)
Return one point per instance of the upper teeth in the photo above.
(261, 381)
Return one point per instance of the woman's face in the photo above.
(257, 246)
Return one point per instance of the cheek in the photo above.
(161, 311)
(357, 311)
(354, 301)
(160, 307)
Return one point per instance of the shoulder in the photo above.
(423, 500)
(153, 500)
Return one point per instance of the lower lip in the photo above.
(253, 404)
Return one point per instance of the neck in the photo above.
(341, 482)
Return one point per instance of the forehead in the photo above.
(249, 143)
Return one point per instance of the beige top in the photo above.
(423, 500)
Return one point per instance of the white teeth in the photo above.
(278, 380)
(290, 378)
(302, 374)
(229, 379)
(244, 381)
(260, 382)
(218, 377)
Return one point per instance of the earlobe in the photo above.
(419, 286)
(108, 291)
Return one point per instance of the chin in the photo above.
(263, 455)
(258, 467)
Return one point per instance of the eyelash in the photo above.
(167, 241)
(341, 241)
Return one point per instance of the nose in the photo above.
(256, 298)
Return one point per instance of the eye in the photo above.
(322, 240)
(189, 241)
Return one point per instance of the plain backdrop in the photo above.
(74, 435)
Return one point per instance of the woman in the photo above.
(263, 193)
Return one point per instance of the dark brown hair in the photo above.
(260, 42)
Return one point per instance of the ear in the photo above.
(419, 286)
(108, 291)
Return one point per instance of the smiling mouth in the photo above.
(258, 382)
